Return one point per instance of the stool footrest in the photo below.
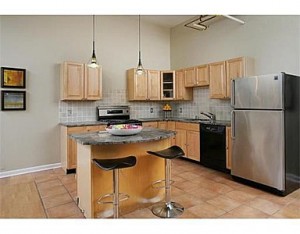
(122, 197)
(154, 184)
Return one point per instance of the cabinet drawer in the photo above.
(187, 126)
(95, 128)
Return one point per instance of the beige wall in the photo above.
(273, 41)
(39, 43)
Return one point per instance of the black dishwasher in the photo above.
(213, 146)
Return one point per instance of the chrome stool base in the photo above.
(167, 210)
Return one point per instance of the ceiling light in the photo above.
(140, 70)
(93, 61)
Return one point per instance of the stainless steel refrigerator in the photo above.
(265, 131)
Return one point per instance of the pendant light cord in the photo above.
(93, 33)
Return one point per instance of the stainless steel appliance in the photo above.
(115, 115)
(213, 146)
(265, 131)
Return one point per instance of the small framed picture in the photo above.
(13, 100)
(14, 78)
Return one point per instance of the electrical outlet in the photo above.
(69, 112)
(180, 110)
(151, 110)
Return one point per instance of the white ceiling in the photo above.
(167, 20)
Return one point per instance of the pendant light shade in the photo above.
(93, 60)
(140, 70)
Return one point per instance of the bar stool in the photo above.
(115, 164)
(167, 209)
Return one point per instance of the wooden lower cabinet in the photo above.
(168, 125)
(228, 148)
(152, 124)
(188, 138)
(68, 149)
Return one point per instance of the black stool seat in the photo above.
(169, 153)
(115, 163)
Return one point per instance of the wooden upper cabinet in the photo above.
(217, 76)
(93, 83)
(167, 79)
(190, 76)
(182, 93)
(72, 82)
(78, 82)
(237, 68)
(153, 85)
(202, 75)
(143, 87)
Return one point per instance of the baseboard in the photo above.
(29, 170)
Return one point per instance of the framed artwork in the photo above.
(14, 78)
(13, 100)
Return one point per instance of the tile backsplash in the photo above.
(77, 111)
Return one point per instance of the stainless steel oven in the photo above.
(115, 115)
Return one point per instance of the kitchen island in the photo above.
(93, 182)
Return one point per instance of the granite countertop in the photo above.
(187, 120)
(105, 138)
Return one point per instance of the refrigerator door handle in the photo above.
(232, 93)
(232, 125)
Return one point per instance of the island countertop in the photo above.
(105, 138)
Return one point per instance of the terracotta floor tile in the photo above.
(240, 196)
(277, 199)
(52, 201)
(177, 179)
(176, 191)
(187, 200)
(71, 187)
(45, 178)
(63, 211)
(289, 211)
(74, 195)
(59, 171)
(188, 175)
(23, 210)
(186, 185)
(21, 179)
(187, 215)
(244, 211)
(49, 184)
(264, 205)
(56, 190)
(204, 194)
(66, 179)
(140, 213)
(205, 210)
(224, 203)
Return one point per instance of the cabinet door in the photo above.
(167, 85)
(236, 68)
(162, 125)
(202, 75)
(228, 147)
(150, 124)
(140, 87)
(180, 139)
(217, 76)
(193, 145)
(182, 93)
(72, 81)
(153, 85)
(190, 76)
(93, 83)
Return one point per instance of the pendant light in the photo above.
(140, 70)
(93, 61)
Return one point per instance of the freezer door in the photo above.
(258, 92)
(258, 147)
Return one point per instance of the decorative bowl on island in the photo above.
(124, 129)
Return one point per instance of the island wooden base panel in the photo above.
(136, 181)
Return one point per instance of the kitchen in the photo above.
(162, 49)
